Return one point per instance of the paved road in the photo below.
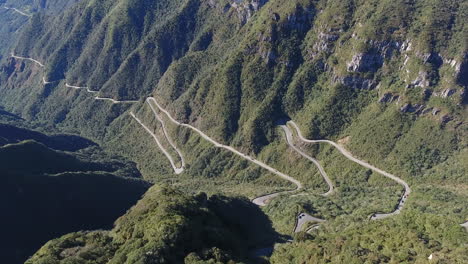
(367, 165)
(29, 59)
(47, 82)
(166, 134)
(303, 219)
(465, 225)
(322, 171)
(261, 201)
(78, 88)
(115, 101)
(102, 98)
(17, 11)
(169, 157)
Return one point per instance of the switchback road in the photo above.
(17, 11)
(169, 157)
(349, 156)
(261, 201)
(290, 142)
(166, 134)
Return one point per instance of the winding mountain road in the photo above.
(166, 134)
(166, 153)
(290, 142)
(17, 11)
(115, 101)
(349, 156)
(303, 219)
(101, 98)
(465, 225)
(76, 87)
(29, 59)
(261, 201)
(80, 88)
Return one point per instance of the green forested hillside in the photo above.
(167, 226)
(386, 79)
(45, 193)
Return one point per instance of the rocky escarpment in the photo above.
(247, 8)
(243, 9)
(297, 22)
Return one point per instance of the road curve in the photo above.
(29, 59)
(303, 219)
(290, 142)
(261, 201)
(169, 157)
(78, 88)
(115, 101)
(465, 225)
(166, 134)
(47, 82)
(17, 11)
(349, 156)
(101, 98)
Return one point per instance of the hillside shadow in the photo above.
(61, 142)
(249, 222)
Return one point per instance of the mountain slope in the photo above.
(385, 79)
(45, 193)
(167, 226)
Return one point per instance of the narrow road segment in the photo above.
(349, 156)
(177, 170)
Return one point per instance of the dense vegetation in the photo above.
(386, 78)
(167, 226)
(45, 193)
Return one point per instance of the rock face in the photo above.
(445, 119)
(422, 80)
(325, 41)
(365, 62)
(446, 93)
(420, 109)
(409, 108)
(246, 8)
(356, 82)
(388, 98)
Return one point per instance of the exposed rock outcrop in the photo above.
(445, 119)
(421, 81)
(410, 108)
(445, 93)
(388, 98)
(324, 44)
(246, 8)
(365, 62)
(420, 109)
(356, 82)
